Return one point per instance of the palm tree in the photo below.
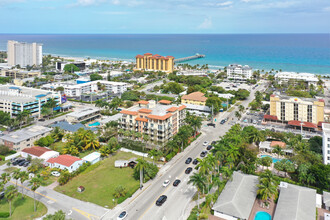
(198, 180)
(266, 190)
(211, 160)
(241, 108)
(16, 175)
(10, 194)
(92, 143)
(226, 172)
(51, 103)
(23, 177)
(5, 177)
(278, 150)
(35, 184)
(238, 115)
(154, 154)
(141, 165)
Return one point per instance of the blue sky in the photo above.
(165, 16)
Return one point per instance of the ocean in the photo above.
(288, 52)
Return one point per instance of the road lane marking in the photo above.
(86, 214)
(138, 194)
(33, 191)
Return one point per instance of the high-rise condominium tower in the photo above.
(24, 54)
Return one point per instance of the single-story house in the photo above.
(39, 152)
(326, 200)
(237, 198)
(63, 162)
(295, 203)
(92, 157)
(71, 128)
(268, 146)
(126, 163)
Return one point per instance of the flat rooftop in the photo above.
(158, 109)
(25, 133)
(83, 112)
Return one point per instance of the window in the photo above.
(152, 125)
(160, 127)
(328, 145)
(295, 112)
(309, 113)
(283, 111)
(328, 139)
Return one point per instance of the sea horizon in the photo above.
(296, 52)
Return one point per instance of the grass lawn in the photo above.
(100, 182)
(85, 153)
(3, 162)
(23, 208)
(57, 146)
(10, 169)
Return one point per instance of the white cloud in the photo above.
(87, 2)
(285, 4)
(206, 24)
(223, 4)
(326, 9)
(248, 1)
(113, 12)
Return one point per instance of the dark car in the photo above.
(176, 182)
(22, 163)
(188, 170)
(18, 161)
(41, 119)
(213, 143)
(2, 194)
(160, 201)
(211, 124)
(188, 161)
(203, 154)
(222, 122)
(195, 162)
(209, 147)
(26, 164)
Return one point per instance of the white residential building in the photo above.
(73, 89)
(239, 72)
(309, 78)
(326, 143)
(24, 54)
(65, 162)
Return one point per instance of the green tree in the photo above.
(120, 191)
(70, 68)
(198, 180)
(10, 194)
(95, 76)
(238, 115)
(5, 178)
(35, 184)
(141, 165)
(23, 177)
(59, 215)
(278, 150)
(215, 102)
(16, 175)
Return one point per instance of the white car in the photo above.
(205, 143)
(122, 215)
(56, 173)
(166, 183)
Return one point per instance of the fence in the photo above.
(12, 156)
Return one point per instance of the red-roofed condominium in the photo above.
(159, 121)
(155, 62)
(289, 110)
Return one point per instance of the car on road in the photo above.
(211, 124)
(188, 161)
(166, 183)
(160, 201)
(205, 143)
(195, 162)
(41, 119)
(203, 153)
(56, 173)
(188, 170)
(222, 121)
(122, 215)
(209, 147)
(176, 182)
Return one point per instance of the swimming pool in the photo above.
(274, 159)
(262, 216)
(94, 124)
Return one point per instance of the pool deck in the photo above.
(257, 207)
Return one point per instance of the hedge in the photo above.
(4, 214)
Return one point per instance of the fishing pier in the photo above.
(184, 59)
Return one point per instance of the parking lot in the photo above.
(235, 86)
(253, 118)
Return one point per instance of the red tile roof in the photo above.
(36, 151)
(169, 57)
(321, 100)
(304, 124)
(65, 160)
(321, 122)
(128, 112)
(271, 117)
(141, 119)
(167, 102)
(139, 56)
(172, 109)
(182, 107)
(279, 143)
(272, 95)
(144, 110)
(143, 102)
(195, 96)
(160, 117)
(148, 54)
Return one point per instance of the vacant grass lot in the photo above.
(23, 208)
(100, 182)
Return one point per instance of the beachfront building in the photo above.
(83, 115)
(24, 54)
(295, 111)
(60, 65)
(239, 72)
(237, 198)
(295, 203)
(293, 78)
(326, 143)
(149, 62)
(23, 138)
(78, 88)
(15, 99)
(20, 74)
(159, 121)
(194, 98)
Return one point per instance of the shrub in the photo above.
(4, 214)
(170, 156)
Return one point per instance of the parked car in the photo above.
(188, 170)
(16, 162)
(26, 163)
(205, 143)
(203, 153)
(188, 160)
(166, 183)
(160, 201)
(55, 173)
(176, 182)
(209, 147)
(21, 163)
(195, 162)
(211, 124)
(122, 215)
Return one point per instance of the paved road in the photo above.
(142, 204)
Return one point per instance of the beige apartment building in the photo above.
(291, 109)
(159, 121)
(20, 74)
(155, 62)
(194, 98)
